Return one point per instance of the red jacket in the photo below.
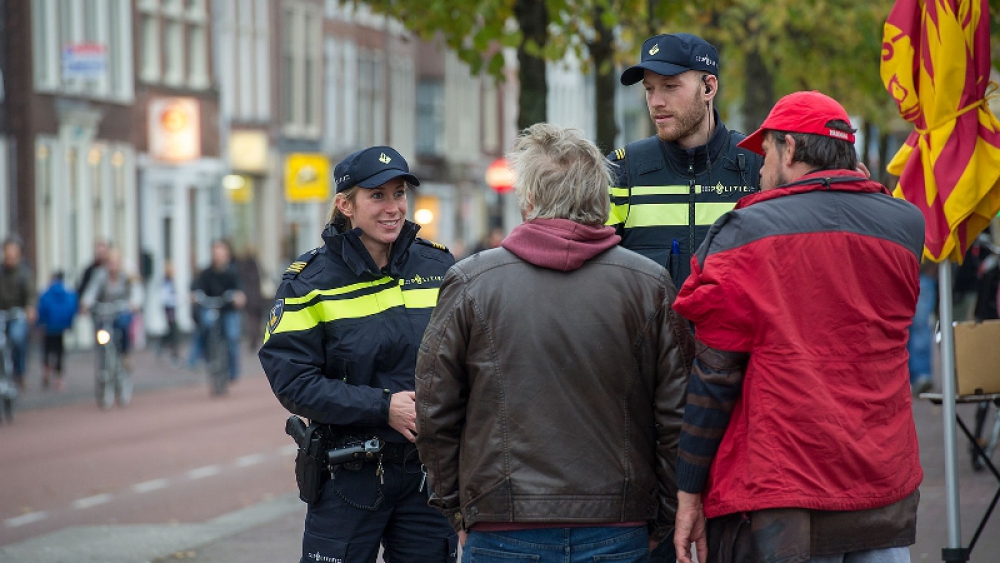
(818, 281)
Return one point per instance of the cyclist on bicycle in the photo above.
(17, 291)
(214, 281)
(112, 285)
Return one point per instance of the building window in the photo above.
(371, 98)
(175, 34)
(302, 71)
(430, 117)
(83, 48)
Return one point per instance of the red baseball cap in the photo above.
(801, 112)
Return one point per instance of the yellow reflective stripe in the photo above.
(657, 215)
(339, 309)
(356, 307)
(618, 192)
(617, 215)
(708, 213)
(420, 298)
(294, 321)
(335, 291)
(661, 190)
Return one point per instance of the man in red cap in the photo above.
(798, 441)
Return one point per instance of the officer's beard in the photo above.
(687, 123)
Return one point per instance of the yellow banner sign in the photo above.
(307, 177)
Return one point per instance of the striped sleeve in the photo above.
(713, 390)
(618, 190)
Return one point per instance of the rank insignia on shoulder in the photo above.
(295, 268)
(620, 154)
(433, 244)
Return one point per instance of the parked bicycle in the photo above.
(215, 344)
(113, 382)
(8, 388)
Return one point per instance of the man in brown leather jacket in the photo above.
(550, 381)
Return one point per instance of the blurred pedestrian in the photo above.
(168, 297)
(17, 299)
(921, 339)
(56, 309)
(254, 310)
(801, 445)
(100, 255)
(492, 240)
(118, 289)
(573, 410)
(218, 279)
(340, 349)
(671, 187)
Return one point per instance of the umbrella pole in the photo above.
(954, 552)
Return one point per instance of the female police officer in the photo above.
(340, 350)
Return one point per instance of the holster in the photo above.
(311, 470)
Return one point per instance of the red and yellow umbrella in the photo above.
(936, 66)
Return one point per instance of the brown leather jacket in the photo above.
(548, 396)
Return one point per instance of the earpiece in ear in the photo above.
(704, 79)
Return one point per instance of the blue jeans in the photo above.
(558, 545)
(919, 344)
(17, 332)
(231, 331)
(888, 555)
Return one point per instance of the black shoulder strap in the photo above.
(643, 156)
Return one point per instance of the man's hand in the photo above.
(239, 299)
(690, 529)
(403, 414)
(462, 536)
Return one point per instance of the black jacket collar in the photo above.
(349, 247)
(682, 157)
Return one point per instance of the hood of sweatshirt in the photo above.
(559, 244)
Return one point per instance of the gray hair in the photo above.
(560, 175)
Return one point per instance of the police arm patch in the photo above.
(275, 317)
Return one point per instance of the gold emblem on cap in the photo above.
(384, 159)
(654, 50)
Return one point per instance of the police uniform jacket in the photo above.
(343, 334)
(665, 198)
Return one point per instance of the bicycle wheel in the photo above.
(104, 385)
(218, 378)
(123, 388)
(8, 409)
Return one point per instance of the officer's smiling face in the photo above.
(379, 212)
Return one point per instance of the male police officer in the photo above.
(671, 187)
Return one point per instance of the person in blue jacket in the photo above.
(56, 309)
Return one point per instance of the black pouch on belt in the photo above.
(311, 471)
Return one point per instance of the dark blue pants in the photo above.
(356, 513)
(665, 552)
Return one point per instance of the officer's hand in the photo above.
(403, 414)
(462, 536)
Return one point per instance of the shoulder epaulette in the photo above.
(431, 243)
(619, 154)
(295, 268)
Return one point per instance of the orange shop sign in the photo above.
(174, 129)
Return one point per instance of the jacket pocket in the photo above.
(318, 548)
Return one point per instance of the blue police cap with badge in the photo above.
(372, 167)
(673, 54)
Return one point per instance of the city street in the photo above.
(178, 475)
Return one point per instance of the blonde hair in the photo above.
(335, 216)
(560, 175)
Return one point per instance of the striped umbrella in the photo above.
(936, 66)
